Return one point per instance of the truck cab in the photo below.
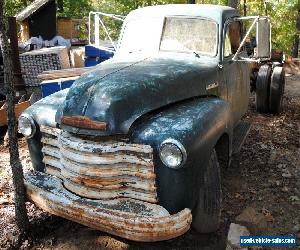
(135, 147)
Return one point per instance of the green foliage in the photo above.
(12, 7)
(76, 8)
(283, 13)
(123, 7)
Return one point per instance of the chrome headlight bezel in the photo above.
(32, 125)
(181, 149)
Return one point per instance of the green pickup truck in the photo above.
(135, 147)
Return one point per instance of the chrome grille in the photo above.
(95, 169)
(51, 150)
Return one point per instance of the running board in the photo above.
(240, 133)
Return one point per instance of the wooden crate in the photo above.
(19, 108)
(37, 61)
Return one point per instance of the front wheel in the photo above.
(207, 213)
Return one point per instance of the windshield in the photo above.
(190, 34)
(182, 34)
(141, 35)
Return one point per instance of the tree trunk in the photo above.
(233, 3)
(16, 166)
(295, 47)
(245, 7)
(191, 1)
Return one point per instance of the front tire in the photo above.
(207, 213)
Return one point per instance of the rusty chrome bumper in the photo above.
(124, 217)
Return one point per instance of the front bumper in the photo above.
(124, 217)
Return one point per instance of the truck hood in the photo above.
(118, 92)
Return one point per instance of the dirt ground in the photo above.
(263, 178)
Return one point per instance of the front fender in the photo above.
(197, 124)
(47, 112)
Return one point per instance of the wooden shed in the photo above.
(69, 28)
(38, 19)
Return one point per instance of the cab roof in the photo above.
(215, 12)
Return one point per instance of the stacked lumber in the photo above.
(65, 73)
(35, 62)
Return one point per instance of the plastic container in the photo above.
(49, 87)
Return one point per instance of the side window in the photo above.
(232, 38)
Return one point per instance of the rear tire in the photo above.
(207, 213)
(262, 89)
(277, 90)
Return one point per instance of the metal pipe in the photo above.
(98, 20)
(244, 39)
(97, 32)
(107, 33)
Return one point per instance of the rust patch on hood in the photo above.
(83, 122)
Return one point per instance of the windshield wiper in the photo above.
(196, 54)
(134, 51)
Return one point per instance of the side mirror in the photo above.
(262, 50)
(263, 38)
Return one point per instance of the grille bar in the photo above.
(95, 193)
(103, 159)
(96, 169)
(51, 150)
(110, 146)
(109, 170)
(119, 182)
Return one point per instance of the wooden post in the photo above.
(16, 67)
(16, 166)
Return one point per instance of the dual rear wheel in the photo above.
(270, 89)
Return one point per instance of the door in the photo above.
(236, 73)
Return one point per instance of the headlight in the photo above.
(172, 153)
(26, 126)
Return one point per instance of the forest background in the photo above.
(284, 13)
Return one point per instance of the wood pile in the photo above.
(65, 73)
(35, 62)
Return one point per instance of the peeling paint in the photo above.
(102, 94)
(127, 218)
